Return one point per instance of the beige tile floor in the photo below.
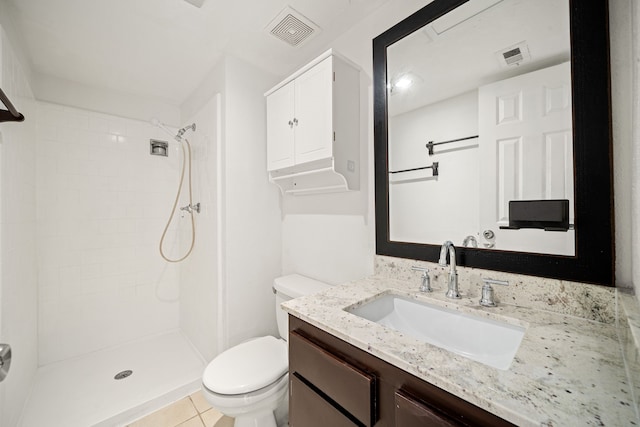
(191, 411)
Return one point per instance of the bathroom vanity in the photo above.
(346, 370)
(334, 383)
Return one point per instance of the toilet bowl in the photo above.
(249, 382)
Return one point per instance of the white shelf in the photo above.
(311, 178)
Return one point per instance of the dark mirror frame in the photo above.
(593, 156)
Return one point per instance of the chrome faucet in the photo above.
(470, 240)
(452, 289)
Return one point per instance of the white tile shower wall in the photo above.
(103, 201)
(18, 286)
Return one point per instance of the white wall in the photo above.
(635, 183)
(624, 17)
(249, 223)
(103, 201)
(252, 245)
(309, 250)
(417, 199)
(18, 283)
(8, 13)
(199, 273)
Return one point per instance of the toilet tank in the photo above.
(289, 287)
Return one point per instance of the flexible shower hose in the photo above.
(186, 153)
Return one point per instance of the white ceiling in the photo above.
(463, 57)
(165, 48)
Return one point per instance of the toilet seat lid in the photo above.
(247, 367)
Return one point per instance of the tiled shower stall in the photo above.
(83, 208)
(103, 201)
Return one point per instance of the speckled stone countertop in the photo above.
(568, 371)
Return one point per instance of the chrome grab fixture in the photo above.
(191, 208)
(452, 289)
(470, 240)
(426, 281)
(490, 236)
(487, 292)
(5, 360)
(10, 114)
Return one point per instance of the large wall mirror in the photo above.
(492, 130)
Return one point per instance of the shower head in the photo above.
(181, 132)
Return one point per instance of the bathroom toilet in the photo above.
(250, 381)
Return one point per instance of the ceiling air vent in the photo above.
(514, 55)
(292, 27)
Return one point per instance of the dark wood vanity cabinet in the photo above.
(333, 383)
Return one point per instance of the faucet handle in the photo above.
(487, 292)
(495, 282)
(426, 280)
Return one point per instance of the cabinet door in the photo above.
(280, 134)
(313, 112)
(309, 409)
(412, 413)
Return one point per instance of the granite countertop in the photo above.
(568, 371)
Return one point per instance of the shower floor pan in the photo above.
(83, 392)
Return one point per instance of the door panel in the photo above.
(526, 153)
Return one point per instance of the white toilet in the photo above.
(249, 382)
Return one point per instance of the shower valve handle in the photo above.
(191, 208)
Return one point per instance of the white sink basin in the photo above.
(483, 340)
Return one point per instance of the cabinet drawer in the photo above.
(309, 409)
(410, 412)
(349, 387)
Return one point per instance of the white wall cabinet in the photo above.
(313, 128)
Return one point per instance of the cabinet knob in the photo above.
(290, 124)
(295, 122)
